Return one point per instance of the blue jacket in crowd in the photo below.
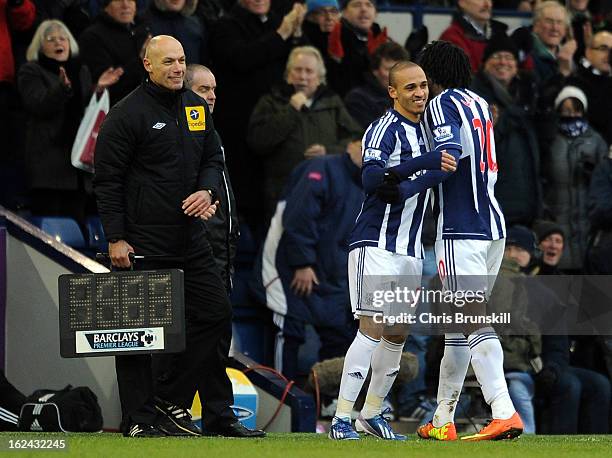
(311, 227)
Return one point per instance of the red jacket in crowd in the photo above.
(20, 17)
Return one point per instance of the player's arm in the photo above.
(376, 151)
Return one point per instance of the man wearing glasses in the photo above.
(594, 77)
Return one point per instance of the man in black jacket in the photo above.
(158, 170)
(223, 227)
(116, 38)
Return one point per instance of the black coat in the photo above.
(368, 102)
(249, 58)
(107, 43)
(152, 152)
(49, 130)
(598, 89)
(518, 188)
(223, 230)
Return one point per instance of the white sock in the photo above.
(453, 367)
(354, 373)
(488, 364)
(385, 367)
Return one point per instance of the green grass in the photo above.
(313, 446)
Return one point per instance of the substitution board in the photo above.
(123, 312)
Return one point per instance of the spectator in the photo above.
(73, 13)
(298, 120)
(548, 48)
(521, 342)
(55, 88)
(15, 15)
(177, 19)
(574, 153)
(599, 257)
(581, 24)
(368, 102)
(511, 96)
(249, 51)
(321, 18)
(223, 227)
(594, 77)
(577, 399)
(117, 38)
(305, 263)
(472, 27)
(351, 42)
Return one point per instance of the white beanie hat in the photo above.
(571, 91)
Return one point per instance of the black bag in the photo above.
(67, 410)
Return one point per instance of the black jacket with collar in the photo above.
(155, 148)
(107, 43)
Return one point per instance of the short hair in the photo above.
(390, 51)
(446, 65)
(399, 66)
(191, 70)
(307, 50)
(42, 31)
(188, 9)
(599, 32)
(538, 12)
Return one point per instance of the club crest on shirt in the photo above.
(195, 118)
(442, 133)
(371, 154)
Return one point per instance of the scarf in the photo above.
(573, 127)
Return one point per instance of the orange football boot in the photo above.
(447, 432)
(498, 430)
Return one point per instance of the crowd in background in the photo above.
(298, 81)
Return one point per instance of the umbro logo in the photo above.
(356, 375)
(159, 125)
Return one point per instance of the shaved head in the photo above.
(401, 65)
(164, 61)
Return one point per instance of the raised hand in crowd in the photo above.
(108, 78)
(298, 100)
(566, 56)
(292, 22)
(64, 78)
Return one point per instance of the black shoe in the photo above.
(143, 430)
(239, 430)
(175, 420)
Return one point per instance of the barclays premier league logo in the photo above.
(442, 133)
(120, 340)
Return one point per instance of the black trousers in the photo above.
(176, 377)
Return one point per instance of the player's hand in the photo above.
(119, 253)
(197, 203)
(388, 191)
(448, 163)
(314, 151)
(209, 212)
(304, 281)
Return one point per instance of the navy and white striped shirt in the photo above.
(389, 141)
(465, 203)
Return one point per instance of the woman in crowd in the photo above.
(55, 88)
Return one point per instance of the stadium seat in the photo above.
(96, 240)
(65, 230)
